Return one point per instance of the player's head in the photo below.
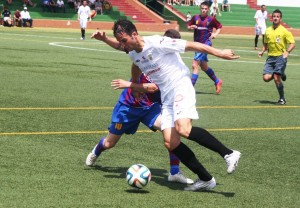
(204, 8)
(172, 34)
(84, 3)
(276, 17)
(126, 33)
(124, 26)
(263, 8)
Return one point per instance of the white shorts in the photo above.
(184, 106)
(6, 19)
(83, 23)
(260, 31)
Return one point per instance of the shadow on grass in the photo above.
(205, 93)
(159, 176)
(265, 102)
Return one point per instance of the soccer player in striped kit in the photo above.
(203, 26)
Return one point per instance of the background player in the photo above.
(203, 26)
(83, 16)
(260, 24)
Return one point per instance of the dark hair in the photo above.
(124, 26)
(262, 6)
(172, 34)
(277, 11)
(205, 3)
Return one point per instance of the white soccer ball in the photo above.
(138, 176)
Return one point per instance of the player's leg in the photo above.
(188, 158)
(195, 73)
(152, 119)
(104, 143)
(83, 24)
(184, 112)
(279, 73)
(211, 74)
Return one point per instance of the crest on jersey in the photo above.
(118, 126)
(150, 57)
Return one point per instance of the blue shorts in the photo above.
(126, 119)
(200, 57)
(275, 65)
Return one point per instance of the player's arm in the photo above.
(289, 50)
(216, 33)
(224, 54)
(112, 42)
(263, 50)
(144, 87)
(135, 73)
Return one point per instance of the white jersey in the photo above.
(84, 12)
(261, 18)
(161, 62)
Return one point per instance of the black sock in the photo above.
(280, 90)
(204, 138)
(256, 40)
(82, 33)
(187, 157)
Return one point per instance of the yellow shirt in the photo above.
(277, 40)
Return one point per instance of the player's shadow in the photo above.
(204, 93)
(159, 176)
(265, 102)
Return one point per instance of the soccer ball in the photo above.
(138, 176)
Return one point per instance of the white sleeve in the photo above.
(169, 45)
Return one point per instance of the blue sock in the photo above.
(174, 163)
(210, 72)
(99, 148)
(194, 79)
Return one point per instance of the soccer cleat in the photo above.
(82, 38)
(281, 101)
(283, 77)
(232, 161)
(91, 159)
(180, 178)
(218, 86)
(255, 48)
(200, 185)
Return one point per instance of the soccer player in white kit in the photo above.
(83, 16)
(158, 58)
(260, 24)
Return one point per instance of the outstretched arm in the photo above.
(224, 54)
(112, 42)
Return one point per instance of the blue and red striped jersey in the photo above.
(205, 26)
(147, 100)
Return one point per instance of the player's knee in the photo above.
(108, 145)
(182, 131)
(267, 77)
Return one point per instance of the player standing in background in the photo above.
(279, 43)
(203, 26)
(83, 16)
(260, 24)
(158, 58)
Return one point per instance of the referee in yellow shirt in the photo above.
(279, 42)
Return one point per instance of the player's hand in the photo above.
(228, 54)
(99, 35)
(285, 54)
(260, 54)
(213, 36)
(119, 84)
